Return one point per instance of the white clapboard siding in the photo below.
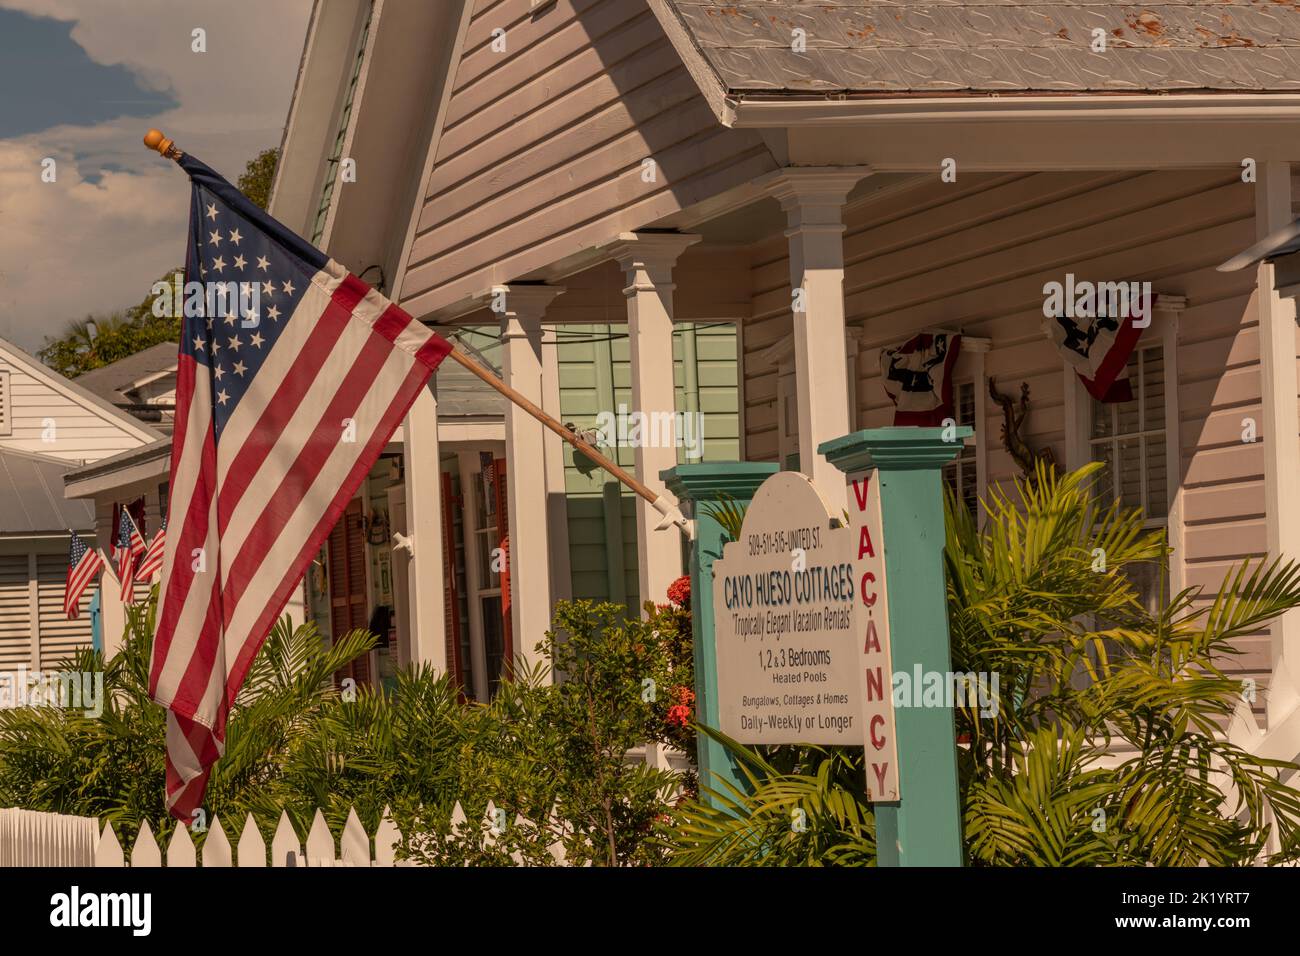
(48, 415)
(540, 156)
(34, 838)
(354, 847)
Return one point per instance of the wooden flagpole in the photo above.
(156, 141)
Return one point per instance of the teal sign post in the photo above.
(699, 488)
(923, 827)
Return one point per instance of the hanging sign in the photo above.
(871, 629)
(785, 623)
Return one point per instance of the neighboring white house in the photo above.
(48, 425)
(143, 384)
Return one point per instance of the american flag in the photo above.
(130, 547)
(279, 416)
(152, 561)
(84, 565)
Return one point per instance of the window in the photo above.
(961, 475)
(1130, 438)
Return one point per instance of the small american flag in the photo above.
(130, 547)
(152, 561)
(84, 565)
(279, 416)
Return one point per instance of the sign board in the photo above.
(871, 626)
(784, 600)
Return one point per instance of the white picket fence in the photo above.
(354, 847)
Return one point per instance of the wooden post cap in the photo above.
(155, 140)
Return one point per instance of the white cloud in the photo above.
(74, 247)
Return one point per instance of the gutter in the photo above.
(147, 461)
(773, 110)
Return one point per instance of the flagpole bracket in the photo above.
(672, 515)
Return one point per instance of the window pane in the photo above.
(1105, 485)
(1101, 419)
(1152, 591)
(1157, 478)
(1153, 399)
(1129, 472)
(965, 402)
(970, 487)
(1127, 413)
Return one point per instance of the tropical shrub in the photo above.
(295, 743)
(555, 753)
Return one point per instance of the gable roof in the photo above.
(77, 393)
(111, 382)
(31, 496)
(881, 47)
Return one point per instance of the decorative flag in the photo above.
(918, 377)
(281, 410)
(84, 565)
(1098, 348)
(152, 561)
(130, 548)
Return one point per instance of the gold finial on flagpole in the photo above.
(155, 140)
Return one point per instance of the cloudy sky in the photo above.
(80, 82)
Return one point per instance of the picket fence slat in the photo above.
(285, 848)
(386, 839)
(216, 848)
(180, 849)
(251, 849)
(146, 851)
(109, 852)
(320, 842)
(355, 845)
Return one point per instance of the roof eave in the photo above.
(770, 110)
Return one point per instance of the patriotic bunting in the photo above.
(917, 375)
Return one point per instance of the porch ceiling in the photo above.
(882, 47)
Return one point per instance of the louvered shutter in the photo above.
(346, 553)
(451, 592)
(15, 613)
(503, 529)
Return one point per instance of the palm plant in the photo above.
(111, 766)
(1103, 744)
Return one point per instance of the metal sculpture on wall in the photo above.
(1014, 414)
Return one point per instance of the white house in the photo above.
(48, 426)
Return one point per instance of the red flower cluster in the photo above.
(679, 714)
(679, 592)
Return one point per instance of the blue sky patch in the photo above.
(47, 80)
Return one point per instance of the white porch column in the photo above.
(647, 260)
(1280, 425)
(813, 199)
(557, 509)
(521, 309)
(424, 576)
